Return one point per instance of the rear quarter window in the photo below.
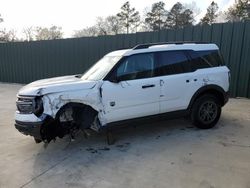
(205, 59)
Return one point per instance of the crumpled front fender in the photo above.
(52, 103)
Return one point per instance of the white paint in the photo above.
(131, 100)
(27, 117)
(165, 47)
(51, 85)
(126, 99)
(118, 52)
(177, 93)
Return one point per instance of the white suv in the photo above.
(150, 80)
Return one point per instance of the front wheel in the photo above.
(206, 112)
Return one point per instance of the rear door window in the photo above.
(172, 62)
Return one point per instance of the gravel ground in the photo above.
(162, 154)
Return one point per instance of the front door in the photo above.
(137, 92)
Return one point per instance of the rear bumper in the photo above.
(30, 128)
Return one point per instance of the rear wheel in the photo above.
(206, 112)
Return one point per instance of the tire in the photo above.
(206, 111)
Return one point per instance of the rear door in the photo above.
(175, 80)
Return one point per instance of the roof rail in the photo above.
(147, 45)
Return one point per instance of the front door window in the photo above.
(136, 67)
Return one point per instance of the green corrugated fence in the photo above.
(23, 62)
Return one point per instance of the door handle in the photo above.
(147, 86)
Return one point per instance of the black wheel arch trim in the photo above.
(210, 87)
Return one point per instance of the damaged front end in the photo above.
(56, 107)
(69, 119)
(35, 129)
(29, 118)
(45, 130)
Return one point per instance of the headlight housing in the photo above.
(29, 105)
(38, 107)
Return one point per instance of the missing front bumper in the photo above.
(30, 128)
(44, 130)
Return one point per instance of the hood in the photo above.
(57, 84)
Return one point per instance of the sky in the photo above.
(73, 15)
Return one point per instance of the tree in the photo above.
(239, 11)
(128, 16)
(86, 32)
(51, 33)
(136, 24)
(108, 26)
(156, 17)
(8, 36)
(187, 18)
(12, 34)
(179, 16)
(104, 26)
(4, 36)
(193, 6)
(101, 26)
(211, 15)
(221, 17)
(114, 25)
(29, 33)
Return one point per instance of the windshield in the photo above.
(101, 68)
